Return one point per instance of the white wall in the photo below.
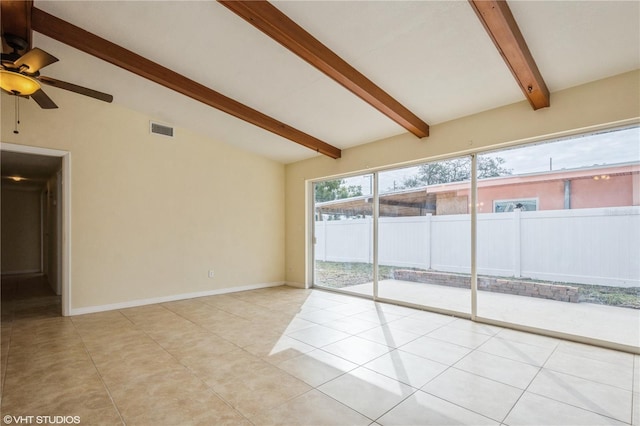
(151, 215)
(20, 230)
(603, 103)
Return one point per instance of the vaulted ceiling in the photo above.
(400, 67)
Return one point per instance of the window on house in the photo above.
(524, 204)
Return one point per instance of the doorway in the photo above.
(36, 225)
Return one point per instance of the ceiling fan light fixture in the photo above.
(18, 84)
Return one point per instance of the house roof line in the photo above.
(574, 173)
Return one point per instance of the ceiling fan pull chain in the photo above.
(17, 115)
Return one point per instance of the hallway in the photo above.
(28, 297)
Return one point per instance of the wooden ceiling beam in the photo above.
(15, 18)
(497, 19)
(271, 21)
(76, 37)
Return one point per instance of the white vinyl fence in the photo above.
(590, 246)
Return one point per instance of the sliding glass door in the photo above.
(558, 232)
(424, 230)
(343, 234)
(556, 228)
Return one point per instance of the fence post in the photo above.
(517, 243)
(370, 238)
(428, 244)
(324, 240)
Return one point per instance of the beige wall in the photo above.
(151, 215)
(20, 230)
(600, 103)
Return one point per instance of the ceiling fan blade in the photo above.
(35, 59)
(43, 100)
(75, 88)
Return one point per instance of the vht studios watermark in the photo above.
(41, 420)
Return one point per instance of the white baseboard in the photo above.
(294, 284)
(172, 298)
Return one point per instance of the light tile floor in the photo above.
(298, 357)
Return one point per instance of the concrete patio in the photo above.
(609, 323)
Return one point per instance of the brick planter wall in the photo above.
(559, 292)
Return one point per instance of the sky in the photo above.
(598, 149)
(605, 148)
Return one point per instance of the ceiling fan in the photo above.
(20, 74)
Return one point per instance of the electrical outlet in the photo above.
(210, 273)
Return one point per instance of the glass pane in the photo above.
(558, 232)
(424, 235)
(343, 231)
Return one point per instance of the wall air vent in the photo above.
(161, 129)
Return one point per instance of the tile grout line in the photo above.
(6, 363)
(556, 349)
(540, 368)
(186, 367)
(589, 380)
(455, 403)
(452, 366)
(415, 390)
(340, 402)
(238, 348)
(316, 388)
(11, 330)
(511, 341)
(433, 378)
(104, 384)
(142, 327)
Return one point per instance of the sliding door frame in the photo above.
(473, 315)
(474, 236)
(376, 217)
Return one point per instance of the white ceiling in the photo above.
(433, 56)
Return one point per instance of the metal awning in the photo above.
(405, 203)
